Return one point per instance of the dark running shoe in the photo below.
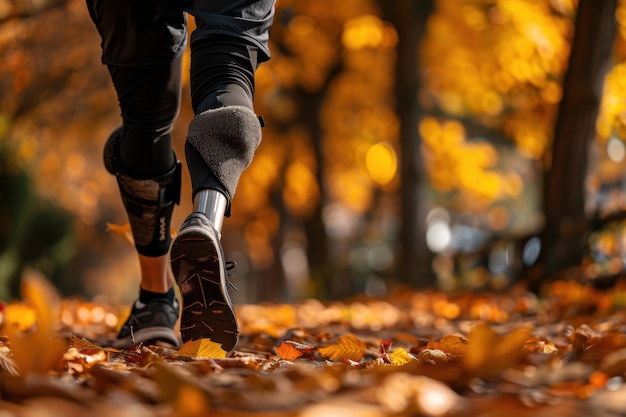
(198, 265)
(150, 323)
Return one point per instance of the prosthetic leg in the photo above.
(226, 139)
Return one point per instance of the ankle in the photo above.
(154, 273)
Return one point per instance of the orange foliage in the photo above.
(500, 62)
(332, 134)
(455, 164)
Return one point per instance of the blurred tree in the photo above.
(566, 220)
(493, 70)
(409, 18)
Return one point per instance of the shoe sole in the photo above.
(149, 335)
(207, 309)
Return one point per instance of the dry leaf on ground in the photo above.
(347, 347)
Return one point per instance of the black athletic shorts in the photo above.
(152, 32)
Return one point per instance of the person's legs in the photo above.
(230, 41)
(228, 45)
(142, 44)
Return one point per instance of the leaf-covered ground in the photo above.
(411, 354)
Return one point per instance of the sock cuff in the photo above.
(146, 295)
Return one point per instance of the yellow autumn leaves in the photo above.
(484, 353)
(348, 348)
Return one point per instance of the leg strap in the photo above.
(149, 203)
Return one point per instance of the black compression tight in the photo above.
(149, 99)
(222, 74)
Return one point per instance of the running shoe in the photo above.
(198, 265)
(150, 323)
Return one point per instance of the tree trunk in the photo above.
(564, 196)
(409, 18)
(310, 105)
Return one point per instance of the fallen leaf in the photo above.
(82, 343)
(400, 356)
(454, 346)
(289, 350)
(385, 345)
(117, 376)
(43, 297)
(202, 348)
(432, 356)
(78, 361)
(489, 353)
(39, 349)
(176, 385)
(122, 230)
(347, 347)
(536, 345)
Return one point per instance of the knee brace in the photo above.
(149, 203)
